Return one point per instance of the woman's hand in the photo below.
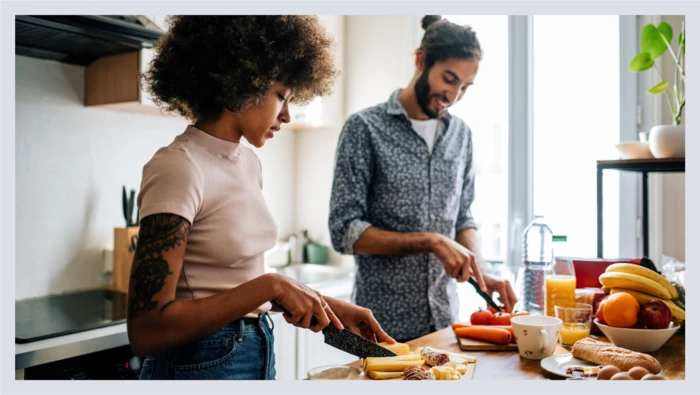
(359, 320)
(303, 307)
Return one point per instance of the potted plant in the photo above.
(665, 141)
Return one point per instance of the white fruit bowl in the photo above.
(634, 150)
(635, 339)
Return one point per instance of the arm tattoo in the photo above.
(158, 234)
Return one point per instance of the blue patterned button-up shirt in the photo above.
(385, 177)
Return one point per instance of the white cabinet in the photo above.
(299, 350)
(285, 348)
(313, 352)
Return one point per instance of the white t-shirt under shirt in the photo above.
(428, 129)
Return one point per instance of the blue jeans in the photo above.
(241, 350)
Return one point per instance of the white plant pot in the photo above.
(667, 141)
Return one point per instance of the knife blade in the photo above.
(353, 344)
(486, 297)
(347, 341)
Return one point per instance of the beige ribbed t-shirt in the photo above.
(217, 186)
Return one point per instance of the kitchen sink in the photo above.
(307, 273)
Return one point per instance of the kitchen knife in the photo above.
(124, 206)
(353, 344)
(487, 298)
(130, 207)
(347, 341)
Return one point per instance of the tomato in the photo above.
(500, 319)
(481, 317)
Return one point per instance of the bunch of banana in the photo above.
(642, 283)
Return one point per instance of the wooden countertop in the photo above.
(507, 365)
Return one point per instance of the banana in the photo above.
(634, 282)
(677, 313)
(644, 272)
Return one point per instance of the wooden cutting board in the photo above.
(467, 376)
(476, 345)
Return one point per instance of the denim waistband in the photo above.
(248, 324)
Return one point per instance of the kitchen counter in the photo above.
(331, 281)
(507, 365)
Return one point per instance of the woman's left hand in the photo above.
(358, 320)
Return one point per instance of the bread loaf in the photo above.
(606, 354)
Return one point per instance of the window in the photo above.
(575, 113)
(485, 109)
(576, 122)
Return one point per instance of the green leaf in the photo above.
(659, 88)
(641, 62)
(666, 30)
(651, 41)
(681, 39)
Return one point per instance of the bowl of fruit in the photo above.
(643, 309)
(642, 328)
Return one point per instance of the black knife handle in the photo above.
(314, 321)
(487, 298)
(124, 205)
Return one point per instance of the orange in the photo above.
(599, 314)
(621, 310)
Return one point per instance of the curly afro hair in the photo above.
(207, 63)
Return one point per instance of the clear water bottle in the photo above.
(537, 259)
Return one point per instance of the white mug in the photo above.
(536, 336)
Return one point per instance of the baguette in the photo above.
(606, 354)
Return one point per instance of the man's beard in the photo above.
(422, 89)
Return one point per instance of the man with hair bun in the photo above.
(402, 191)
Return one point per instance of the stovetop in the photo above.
(58, 315)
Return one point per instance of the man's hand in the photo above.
(505, 293)
(459, 262)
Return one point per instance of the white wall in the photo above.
(370, 74)
(315, 154)
(277, 160)
(672, 185)
(71, 163)
(378, 58)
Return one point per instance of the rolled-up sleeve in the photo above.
(465, 219)
(352, 176)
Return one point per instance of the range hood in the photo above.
(82, 39)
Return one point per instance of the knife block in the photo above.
(122, 258)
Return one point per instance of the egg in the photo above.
(607, 372)
(637, 372)
(652, 376)
(621, 376)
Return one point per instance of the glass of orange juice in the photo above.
(576, 322)
(560, 286)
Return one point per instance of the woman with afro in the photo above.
(198, 295)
